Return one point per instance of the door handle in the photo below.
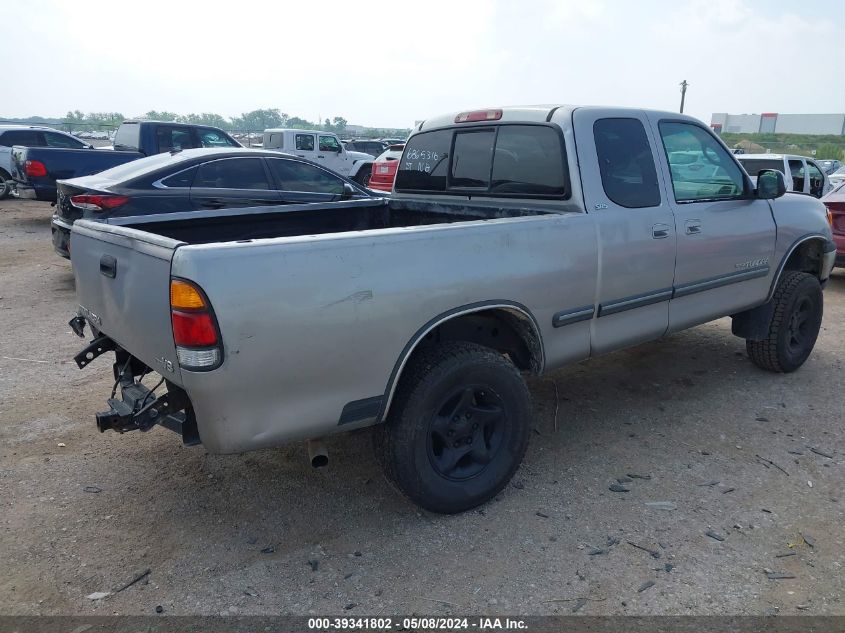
(108, 266)
(320, 156)
(660, 231)
(692, 227)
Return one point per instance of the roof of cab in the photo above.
(534, 114)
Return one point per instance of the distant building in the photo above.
(773, 122)
(354, 130)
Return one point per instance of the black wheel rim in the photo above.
(466, 432)
(4, 186)
(800, 326)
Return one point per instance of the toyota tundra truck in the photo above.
(517, 240)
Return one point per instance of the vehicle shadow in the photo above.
(585, 417)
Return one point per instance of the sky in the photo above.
(388, 63)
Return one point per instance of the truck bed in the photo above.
(296, 220)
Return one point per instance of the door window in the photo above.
(232, 173)
(626, 163)
(214, 138)
(305, 142)
(701, 168)
(60, 140)
(329, 144)
(796, 170)
(174, 138)
(27, 138)
(816, 179)
(292, 175)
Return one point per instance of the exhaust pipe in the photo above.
(318, 454)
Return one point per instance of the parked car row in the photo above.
(802, 174)
(29, 136)
(384, 169)
(196, 180)
(35, 167)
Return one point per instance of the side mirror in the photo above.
(770, 184)
(339, 149)
(348, 192)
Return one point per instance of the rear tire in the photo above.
(5, 184)
(458, 427)
(797, 317)
(363, 176)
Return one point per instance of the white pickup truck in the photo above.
(516, 240)
(324, 148)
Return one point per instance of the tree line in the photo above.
(254, 121)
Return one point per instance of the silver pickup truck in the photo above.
(516, 240)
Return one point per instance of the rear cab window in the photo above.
(128, 137)
(505, 160)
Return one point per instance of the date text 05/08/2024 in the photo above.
(416, 624)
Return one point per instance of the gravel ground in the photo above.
(263, 533)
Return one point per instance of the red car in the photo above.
(384, 169)
(835, 203)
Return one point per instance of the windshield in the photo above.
(503, 160)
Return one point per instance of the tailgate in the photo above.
(18, 159)
(123, 288)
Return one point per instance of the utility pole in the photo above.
(684, 85)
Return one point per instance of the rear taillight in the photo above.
(35, 168)
(97, 202)
(195, 331)
(836, 216)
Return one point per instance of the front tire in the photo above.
(796, 320)
(458, 427)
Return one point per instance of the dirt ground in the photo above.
(263, 533)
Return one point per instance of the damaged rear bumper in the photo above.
(138, 408)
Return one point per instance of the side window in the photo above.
(183, 178)
(174, 138)
(626, 163)
(27, 138)
(232, 173)
(305, 142)
(213, 138)
(329, 144)
(816, 179)
(60, 140)
(292, 175)
(796, 170)
(701, 168)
